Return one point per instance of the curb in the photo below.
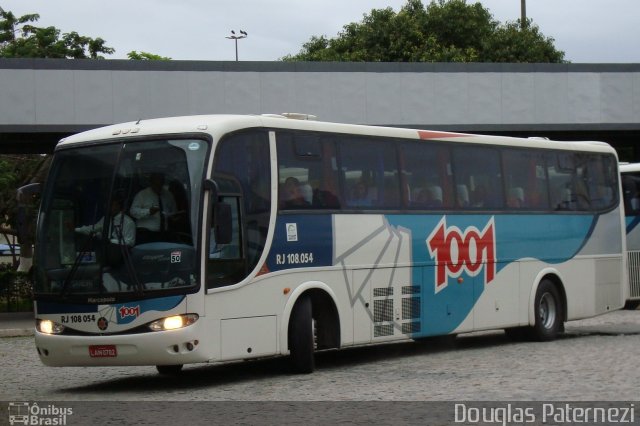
(16, 332)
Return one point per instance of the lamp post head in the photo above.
(235, 38)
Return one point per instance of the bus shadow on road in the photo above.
(207, 375)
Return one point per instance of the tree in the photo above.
(9, 23)
(512, 44)
(444, 31)
(16, 171)
(19, 39)
(146, 56)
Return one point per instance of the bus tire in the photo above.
(169, 370)
(548, 312)
(301, 345)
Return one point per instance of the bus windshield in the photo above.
(120, 218)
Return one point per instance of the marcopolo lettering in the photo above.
(456, 252)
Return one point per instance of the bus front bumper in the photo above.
(171, 347)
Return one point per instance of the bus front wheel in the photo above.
(548, 312)
(301, 341)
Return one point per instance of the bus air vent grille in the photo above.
(383, 292)
(634, 273)
(410, 308)
(383, 330)
(410, 327)
(411, 289)
(383, 310)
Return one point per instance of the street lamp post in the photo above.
(236, 37)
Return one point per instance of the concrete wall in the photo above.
(40, 95)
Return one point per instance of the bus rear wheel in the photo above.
(548, 312)
(169, 370)
(301, 339)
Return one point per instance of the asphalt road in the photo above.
(596, 360)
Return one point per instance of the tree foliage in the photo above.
(146, 56)
(443, 31)
(15, 171)
(20, 39)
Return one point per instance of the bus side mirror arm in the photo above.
(211, 186)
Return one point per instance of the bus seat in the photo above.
(415, 194)
(434, 196)
(463, 195)
(307, 192)
(565, 200)
(436, 193)
(516, 197)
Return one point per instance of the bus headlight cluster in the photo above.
(49, 327)
(173, 322)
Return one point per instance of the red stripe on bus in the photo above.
(425, 134)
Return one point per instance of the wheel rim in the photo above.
(547, 310)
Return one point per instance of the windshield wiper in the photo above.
(76, 263)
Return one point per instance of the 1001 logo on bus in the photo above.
(456, 252)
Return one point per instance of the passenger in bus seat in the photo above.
(291, 196)
(430, 197)
(325, 199)
(515, 198)
(360, 195)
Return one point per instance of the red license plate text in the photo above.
(103, 351)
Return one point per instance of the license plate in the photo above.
(103, 351)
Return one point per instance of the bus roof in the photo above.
(217, 125)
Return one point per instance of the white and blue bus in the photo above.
(284, 236)
(630, 177)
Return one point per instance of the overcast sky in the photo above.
(588, 31)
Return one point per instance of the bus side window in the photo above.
(242, 172)
(525, 179)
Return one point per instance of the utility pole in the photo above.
(523, 14)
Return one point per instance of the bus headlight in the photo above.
(173, 322)
(49, 327)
